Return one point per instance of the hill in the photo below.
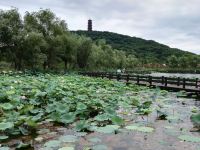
(141, 48)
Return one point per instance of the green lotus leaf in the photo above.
(102, 117)
(3, 137)
(68, 138)
(94, 140)
(140, 129)
(81, 106)
(11, 92)
(100, 147)
(189, 138)
(108, 129)
(117, 120)
(67, 148)
(6, 106)
(81, 125)
(61, 108)
(195, 118)
(68, 118)
(55, 116)
(52, 144)
(7, 125)
(110, 111)
(4, 148)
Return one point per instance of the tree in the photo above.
(131, 62)
(83, 52)
(51, 27)
(33, 44)
(173, 61)
(183, 62)
(68, 50)
(193, 61)
(11, 36)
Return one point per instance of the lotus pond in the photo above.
(56, 112)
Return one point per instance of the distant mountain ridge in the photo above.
(147, 50)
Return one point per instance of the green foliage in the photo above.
(183, 62)
(147, 51)
(70, 100)
(41, 41)
(195, 118)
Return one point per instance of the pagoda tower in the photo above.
(89, 25)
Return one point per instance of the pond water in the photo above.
(187, 75)
(140, 132)
(165, 134)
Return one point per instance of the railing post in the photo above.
(118, 77)
(150, 80)
(138, 79)
(184, 83)
(109, 76)
(127, 78)
(197, 84)
(178, 81)
(102, 75)
(165, 81)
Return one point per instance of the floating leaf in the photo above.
(141, 129)
(52, 144)
(68, 138)
(68, 118)
(108, 129)
(4, 148)
(189, 138)
(100, 147)
(66, 148)
(94, 140)
(195, 119)
(102, 117)
(81, 125)
(3, 137)
(132, 127)
(194, 110)
(117, 120)
(79, 134)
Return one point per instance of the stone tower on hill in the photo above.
(89, 25)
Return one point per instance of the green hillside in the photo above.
(143, 49)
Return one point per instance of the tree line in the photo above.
(147, 51)
(184, 61)
(40, 40)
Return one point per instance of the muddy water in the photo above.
(186, 75)
(164, 137)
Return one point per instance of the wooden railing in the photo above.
(167, 82)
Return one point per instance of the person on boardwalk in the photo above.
(119, 71)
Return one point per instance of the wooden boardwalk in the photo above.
(167, 83)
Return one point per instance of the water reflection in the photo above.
(197, 103)
(187, 75)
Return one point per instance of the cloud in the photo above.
(171, 22)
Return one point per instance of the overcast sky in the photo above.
(172, 22)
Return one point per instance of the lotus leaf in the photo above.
(189, 138)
